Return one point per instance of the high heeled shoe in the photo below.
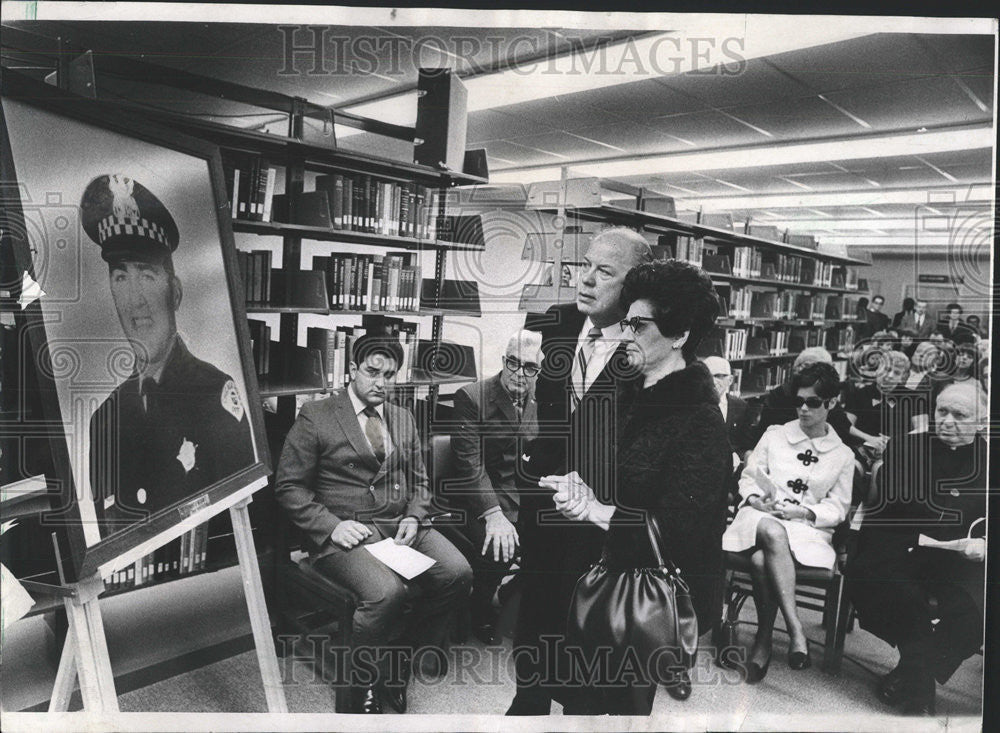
(756, 672)
(799, 660)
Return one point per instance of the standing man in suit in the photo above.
(735, 411)
(496, 420)
(582, 392)
(352, 473)
(919, 322)
(875, 319)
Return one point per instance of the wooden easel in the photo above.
(85, 653)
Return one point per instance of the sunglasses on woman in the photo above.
(634, 322)
(530, 369)
(813, 403)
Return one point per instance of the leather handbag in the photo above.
(647, 608)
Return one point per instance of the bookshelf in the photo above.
(780, 293)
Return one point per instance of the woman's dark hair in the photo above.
(909, 304)
(823, 377)
(682, 296)
(376, 344)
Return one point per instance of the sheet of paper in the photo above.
(404, 560)
(955, 545)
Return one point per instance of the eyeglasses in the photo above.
(634, 322)
(530, 369)
(813, 403)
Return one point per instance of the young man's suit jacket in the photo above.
(328, 472)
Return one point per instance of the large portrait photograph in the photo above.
(136, 332)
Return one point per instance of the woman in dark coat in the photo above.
(932, 485)
(673, 459)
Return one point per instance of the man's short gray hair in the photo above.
(625, 238)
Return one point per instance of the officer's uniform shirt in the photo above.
(168, 439)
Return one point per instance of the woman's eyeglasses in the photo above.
(634, 322)
(530, 369)
(813, 403)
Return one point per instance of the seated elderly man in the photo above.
(738, 415)
(495, 417)
(917, 578)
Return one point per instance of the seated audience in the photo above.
(922, 364)
(927, 601)
(954, 329)
(494, 417)
(352, 473)
(779, 405)
(907, 342)
(795, 489)
(973, 322)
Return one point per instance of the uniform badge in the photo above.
(231, 400)
(140, 496)
(186, 455)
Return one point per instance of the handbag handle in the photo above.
(655, 539)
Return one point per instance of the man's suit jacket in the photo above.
(739, 424)
(487, 443)
(328, 472)
(909, 323)
(961, 334)
(876, 321)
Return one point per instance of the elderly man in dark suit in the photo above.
(495, 418)
(918, 322)
(735, 411)
(582, 391)
(351, 474)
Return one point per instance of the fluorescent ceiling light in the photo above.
(762, 156)
(702, 42)
(976, 194)
(911, 224)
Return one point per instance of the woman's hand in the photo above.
(975, 550)
(572, 496)
(787, 510)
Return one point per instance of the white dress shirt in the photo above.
(604, 347)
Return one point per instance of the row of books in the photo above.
(335, 344)
(250, 187)
(747, 303)
(746, 262)
(364, 203)
(255, 273)
(260, 347)
(362, 282)
(688, 249)
(186, 554)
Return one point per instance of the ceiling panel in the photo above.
(565, 112)
(709, 130)
(880, 58)
(958, 52)
(640, 100)
(493, 124)
(804, 117)
(759, 82)
(571, 146)
(638, 139)
(911, 104)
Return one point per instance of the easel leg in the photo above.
(93, 666)
(62, 691)
(274, 691)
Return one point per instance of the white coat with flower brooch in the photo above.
(788, 466)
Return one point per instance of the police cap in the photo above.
(126, 221)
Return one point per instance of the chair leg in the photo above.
(836, 611)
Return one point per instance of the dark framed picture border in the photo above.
(133, 541)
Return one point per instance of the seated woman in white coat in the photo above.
(795, 490)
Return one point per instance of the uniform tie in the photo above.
(583, 357)
(373, 431)
(146, 387)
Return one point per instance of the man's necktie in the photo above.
(146, 388)
(583, 357)
(519, 409)
(373, 431)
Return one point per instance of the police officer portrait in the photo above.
(136, 300)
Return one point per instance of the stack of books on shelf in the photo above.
(736, 386)
(746, 262)
(255, 272)
(735, 345)
(851, 279)
(804, 337)
(850, 309)
(777, 342)
(184, 555)
(358, 202)
(681, 247)
(376, 283)
(824, 274)
(840, 340)
(739, 302)
(335, 344)
(250, 188)
(766, 377)
(763, 304)
(260, 346)
(785, 268)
